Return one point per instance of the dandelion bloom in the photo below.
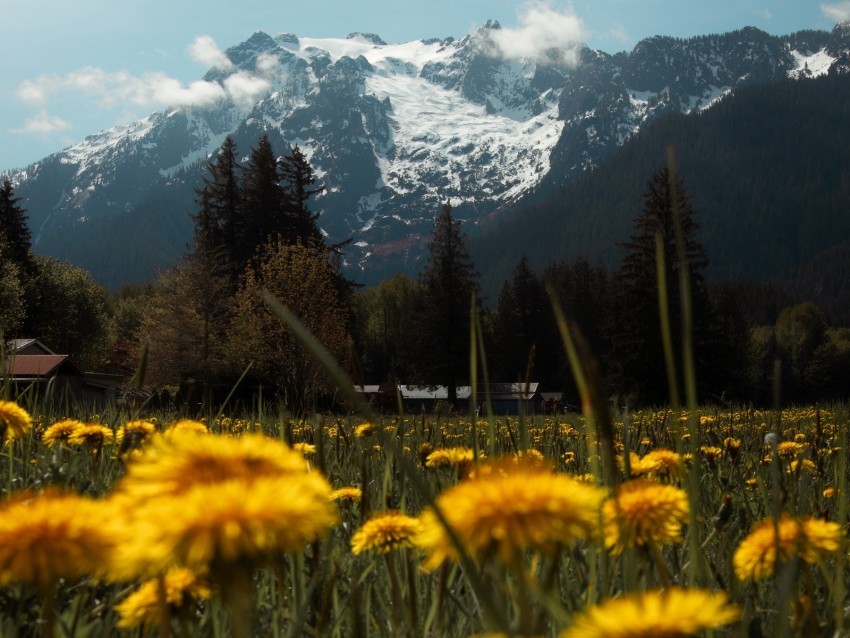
(60, 432)
(92, 435)
(172, 465)
(142, 608)
(133, 433)
(452, 457)
(506, 508)
(663, 464)
(384, 532)
(52, 535)
(182, 426)
(671, 613)
(814, 539)
(352, 494)
(643, 512)
(220, 524)
(305, 449)
(365, 429)
(15, 422)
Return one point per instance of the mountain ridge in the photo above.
(391, 131)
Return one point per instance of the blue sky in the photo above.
(73, 68)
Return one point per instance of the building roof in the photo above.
(37, 365)
(27, 346)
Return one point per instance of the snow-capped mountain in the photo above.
(392, 131)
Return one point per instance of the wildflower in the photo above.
(15, 422)
(224, 523)
(93, 435)
(711, 453)
(142, 608)
(569, 458)
(305, 449)
(133, 434)
(506, 508)
(187, 425)
(814, 539)
(364, 429)
(789, 449)
(52, 535)
(801, 465)
(643, 512)
(733, 446)
(671, 613)
(385, 532)
(352, 494)
(171, 465)
(458, 457)
(60, 432)
(661, 463)
(531, 455)
(829, 492)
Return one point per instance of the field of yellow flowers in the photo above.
(672, 524)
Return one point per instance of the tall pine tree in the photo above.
(14, 230)
(638, 358)
(298, 182)
(450, 284)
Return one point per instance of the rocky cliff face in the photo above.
(392, 130)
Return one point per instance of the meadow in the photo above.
(656, 523)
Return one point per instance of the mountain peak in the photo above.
(374, 38)
(492, 24)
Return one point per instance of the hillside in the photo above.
(768, 170)
(393, 131)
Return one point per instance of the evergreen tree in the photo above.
(263, 201)
(638, 345)
(219, 224)
(14, 231)
(521, 326)
(449, 283)
(298, 178)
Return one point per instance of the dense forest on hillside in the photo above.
(768, 169)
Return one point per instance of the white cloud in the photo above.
(267, 63)
(244, 88)
(206, 51)
(837, 12)
(541, 29)
(43, 124)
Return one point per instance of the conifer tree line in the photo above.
(202, 326)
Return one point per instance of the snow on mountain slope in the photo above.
(394, 130)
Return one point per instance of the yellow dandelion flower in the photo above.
(459, 457)
(352, 494)
(182, 426)
(15, 422)
(304, 449)
(644, 512)
(814, 539)
(172, 465)
(789, 449)
(801, 465)
(384, 532)
(711, 453)
(507, 508)
(60, 432)
(216, 525)
(364, 429)
(133, 434)
(663, 464)
(142, 608)
(93, 435)
(829, 492)
(52, 535)
(531, 455)
(672, 613)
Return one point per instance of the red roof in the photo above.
(34, 365)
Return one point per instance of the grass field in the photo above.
(119, 524)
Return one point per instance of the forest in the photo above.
(203, 327)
